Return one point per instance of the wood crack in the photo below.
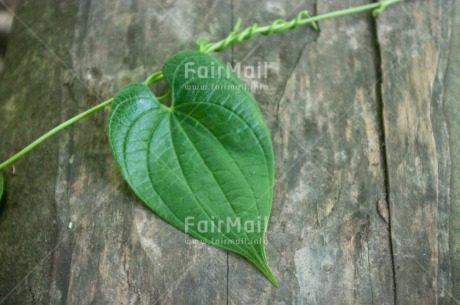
(382, 137)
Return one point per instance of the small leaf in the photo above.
(205, 165)
(2, 186)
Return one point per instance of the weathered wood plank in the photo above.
(420, 64)
(116, 251)
(450, 258)
(30, 90)
(137, 256)
(327, 243)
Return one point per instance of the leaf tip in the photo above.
(269, 274)
(272, 278)
(263, 266)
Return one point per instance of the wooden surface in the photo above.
(6, 20)
(364, 121)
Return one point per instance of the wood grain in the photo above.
(327, 243)
(420, 65)
(363, 116)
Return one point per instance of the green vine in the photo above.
(281, 25)
(235, 36)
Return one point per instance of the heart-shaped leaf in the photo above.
(205, 164)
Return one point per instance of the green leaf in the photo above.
(205, 164)
(2, 186)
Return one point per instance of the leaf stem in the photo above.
(153, 78)
(281, 25)
(54, 131)
(165, 96)
(2, 187)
